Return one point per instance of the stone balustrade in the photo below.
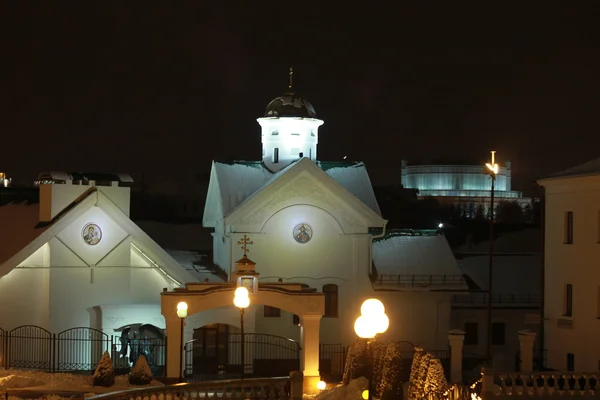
(282, 388)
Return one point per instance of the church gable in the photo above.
(303, 183)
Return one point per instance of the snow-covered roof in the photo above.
(518, 275)
(527, 241)
(427, 258)
(197, 265)
(18, 228)
(588, 168)
(238, 180)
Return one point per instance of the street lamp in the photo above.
(182, 308)
(491, 168)
(371, 322)
(241, 300)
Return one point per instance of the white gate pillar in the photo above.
(174, 351)
(311, 325)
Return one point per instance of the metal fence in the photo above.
(76, 350)
(332, 360)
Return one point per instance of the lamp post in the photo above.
(182, 308)
(371, 322)
(492, 170)
(241, 300)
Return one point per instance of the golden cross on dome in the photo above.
(291, 76)
(244, 242)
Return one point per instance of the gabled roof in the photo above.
(231, 183)
(586, 169)
(294, 170)
(30, 235)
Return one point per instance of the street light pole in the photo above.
(492, 169)
(182, 308)
(241, 300)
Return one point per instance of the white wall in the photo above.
(575, 264)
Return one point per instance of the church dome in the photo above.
(290, 105)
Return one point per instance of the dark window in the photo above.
(498, 333)
(296, 320)
(331, 300)
(471, 333)
(568, 300)
(569, 227)
(271, 312)
(275, 155)
(570, 362)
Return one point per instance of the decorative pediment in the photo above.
(303, 184)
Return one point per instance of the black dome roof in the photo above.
(290, 105)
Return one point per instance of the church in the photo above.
(77, 261)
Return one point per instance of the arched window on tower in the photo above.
(331, 300)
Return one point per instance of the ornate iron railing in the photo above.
(423, 281)
(481, 299)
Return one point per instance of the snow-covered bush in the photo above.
(356, 361)
(378, 350)
(415, 387)
(435, 382)
(105, 373)
(390, 386)
(141, 373)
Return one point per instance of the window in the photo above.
(498, 333)
(570, 362)
(569, 227)
(331, 300)
(471, 333)
(271, 312)
(275, 155)
(295, 134)
(274, 133)
(568, 300)
(296, 320)
(295, 151)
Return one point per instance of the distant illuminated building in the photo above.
(4, 180)
(465, 186)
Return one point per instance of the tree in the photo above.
(379, 353)
(141, 373)
(413, 386)
(435, 382)
(105, 373)
(356, 361)
(422, 375)
(390, 386)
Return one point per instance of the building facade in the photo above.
(572, 279)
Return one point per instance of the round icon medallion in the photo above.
(302, 233)
(91, 234)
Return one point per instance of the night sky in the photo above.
(162, 88)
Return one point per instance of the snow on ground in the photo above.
(44, 382)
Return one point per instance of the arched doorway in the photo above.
(141, 339)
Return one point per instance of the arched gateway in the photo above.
(307, 303)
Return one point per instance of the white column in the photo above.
(311, 325)
(174, 353)
(456, 338)
(526, 341)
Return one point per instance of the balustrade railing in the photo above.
(540, 384)
(280, 388)
(419, 280)
(482, 298)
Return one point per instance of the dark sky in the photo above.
(162, 88)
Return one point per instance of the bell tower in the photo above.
(290, 130)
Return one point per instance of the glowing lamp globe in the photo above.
(380, 322)
(365, 394)
(241, 301)
(241, 292)
(182, 308)
(364, 328)
(321, 385)
(372, 307)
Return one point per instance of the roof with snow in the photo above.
(238, 180)
(586, 169)
(416, 259)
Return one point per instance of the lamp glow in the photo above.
(182, 308)
(380, 322)
(365, 394)
(493, 167)
(241, 292)
(241, 301)
(372, 307)
(364, 328)
(321, 385)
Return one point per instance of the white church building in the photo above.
(76, 260)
